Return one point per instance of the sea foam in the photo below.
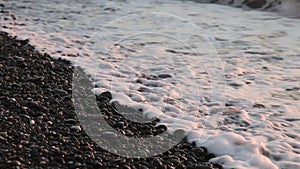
(236, 92)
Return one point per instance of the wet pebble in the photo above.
(198, 151)
(164, 76)
(40, 136)
(16, 162)
(3, 134)
(156, 161)
(35, 148)
(76, 128)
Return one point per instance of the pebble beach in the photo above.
(225, 80)
(39, 128)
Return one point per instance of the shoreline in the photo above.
(253, 130)
(39, 127)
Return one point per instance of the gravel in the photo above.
(39, 127)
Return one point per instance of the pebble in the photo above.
(164, 76)
(60, 91)
(40, 136)
(2, 139)
(129, 133)
(32, 122)
(4, 134)
(235, 84)
(109, 135)
(126, 167)
(198, 151)
(156, 161)
(258, 105)
(191, 159)
(70, 121)
(120, 124)
(76, 128)
(174, 161)
(35, 148)
(16, 162)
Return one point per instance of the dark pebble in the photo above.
(40, 136)
(35, 148)
(164, 76)
(255, 3)
(258, 105)
(293, 89)
(156, 161)
(199, 151)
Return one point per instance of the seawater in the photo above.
(228, 77)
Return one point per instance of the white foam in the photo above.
(261, 65)
(288, 8)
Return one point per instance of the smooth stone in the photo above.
(164, 76)
(4, 134)
(76, 128)
(198, 150)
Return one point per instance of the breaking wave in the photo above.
(288, 8)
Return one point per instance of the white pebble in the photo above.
(32, 122)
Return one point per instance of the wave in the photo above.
(288, 8)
